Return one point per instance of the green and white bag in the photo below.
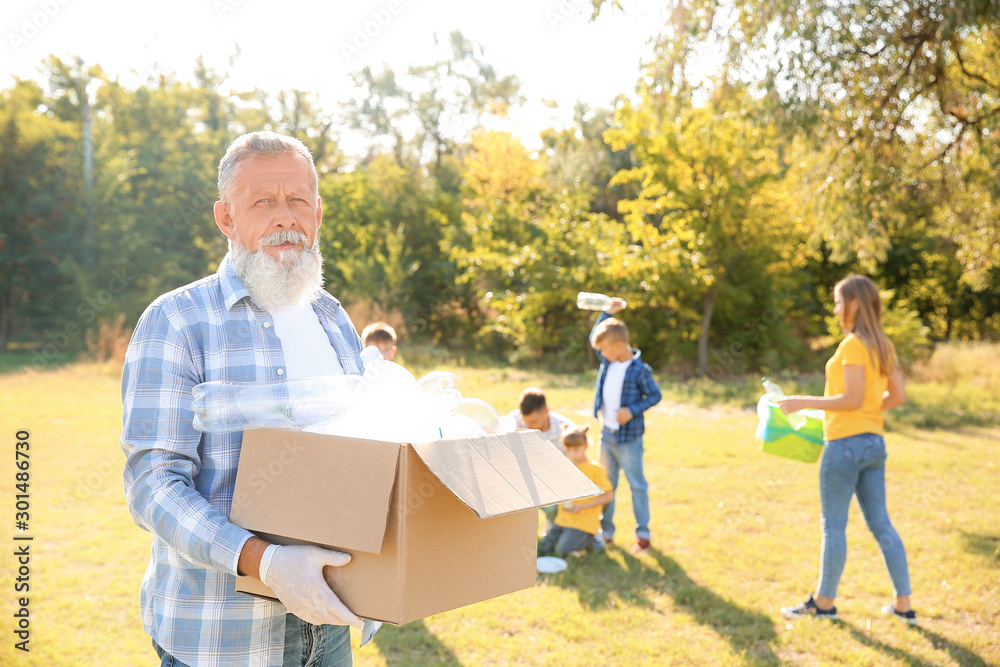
(779, 438)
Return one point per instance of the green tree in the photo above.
(579, 155)
(527, 245)
(443, 101)
(156, 187)
(382, 233)
(709, 213)
(875, 83)
(41, 225)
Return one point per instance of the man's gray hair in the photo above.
(258, 143)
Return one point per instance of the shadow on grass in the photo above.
(987, 546)
(862, 637)
(413, 644)
(602, 582)
(958, 653)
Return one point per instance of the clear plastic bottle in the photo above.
(795, 419)
(594, 301)
(385, 403)
(222, 407)
(439, 389)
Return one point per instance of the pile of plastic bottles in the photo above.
(386, 403)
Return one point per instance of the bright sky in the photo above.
(551, 46)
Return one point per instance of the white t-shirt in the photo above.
(557, 426)
(307, 348)
(614, 380)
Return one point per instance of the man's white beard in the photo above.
(295, 278)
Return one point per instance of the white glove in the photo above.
(295, 574)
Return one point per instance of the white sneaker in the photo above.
(908, 617)
(809, 608)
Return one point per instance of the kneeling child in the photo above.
(578, 521)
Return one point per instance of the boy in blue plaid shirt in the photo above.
(625, 389)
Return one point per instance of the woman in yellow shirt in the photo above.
(863, 379)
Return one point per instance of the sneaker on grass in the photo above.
(809, 608)
(641, 545)
(908, 617)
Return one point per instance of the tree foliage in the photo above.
(710, 210)
(890, 92)
(833, 138)
(40, 223)
(527, 244)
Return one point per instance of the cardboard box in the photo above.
(430, 527)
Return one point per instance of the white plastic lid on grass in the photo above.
(550, 564)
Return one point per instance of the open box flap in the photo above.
(329, 490)
(499, 474)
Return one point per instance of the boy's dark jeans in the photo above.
(562, 541)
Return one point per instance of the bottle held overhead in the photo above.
(594, 301)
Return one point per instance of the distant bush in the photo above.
(958, 386)
(907, 331)
(972, 363)
(109, 341)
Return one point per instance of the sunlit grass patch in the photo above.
(736, 535)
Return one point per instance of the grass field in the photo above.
(735, 533)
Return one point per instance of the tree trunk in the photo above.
(706, 322)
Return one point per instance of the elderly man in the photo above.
(263, 316)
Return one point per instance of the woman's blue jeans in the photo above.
(855, 466)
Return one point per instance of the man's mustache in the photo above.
(287, 236)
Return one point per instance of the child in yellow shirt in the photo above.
(578, 521)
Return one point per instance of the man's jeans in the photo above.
(306, 645)
(855, 465)
(626, 456)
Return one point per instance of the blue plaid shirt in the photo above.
(179, 482)
(639, 392)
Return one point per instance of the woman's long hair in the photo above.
(868, 321)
